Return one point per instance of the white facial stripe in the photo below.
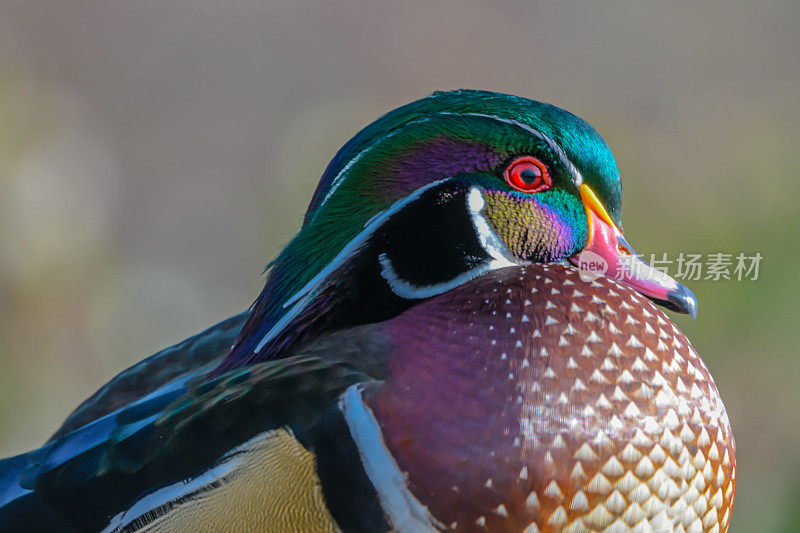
(302, 297)
(576, 175)
(409, 291)
(406, 514)
(490, 242)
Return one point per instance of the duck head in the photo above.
(436, 193)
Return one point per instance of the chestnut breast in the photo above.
(529, 398)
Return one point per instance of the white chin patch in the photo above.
(500, 255)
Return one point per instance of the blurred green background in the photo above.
(155, 155)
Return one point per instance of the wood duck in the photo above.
(459, 338)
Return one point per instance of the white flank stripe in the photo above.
(405, 512)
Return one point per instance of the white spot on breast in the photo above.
(614, 350)
(641, 440)
(626, 377)
(615, 423)
(632, 411)
(553, 491)
(579, 502)
(603, 402)
(532, 501)
(619, 395)
(634, 342)
(608, 365)
(577, 474)
(585, 453)
(631, 320)
(616, 504)
(599, 484)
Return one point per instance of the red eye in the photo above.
(528, 174)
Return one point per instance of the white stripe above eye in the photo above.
(500, 257)
(406, 514)
(339, 178)
(562, 156)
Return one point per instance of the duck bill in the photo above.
(607, 253)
